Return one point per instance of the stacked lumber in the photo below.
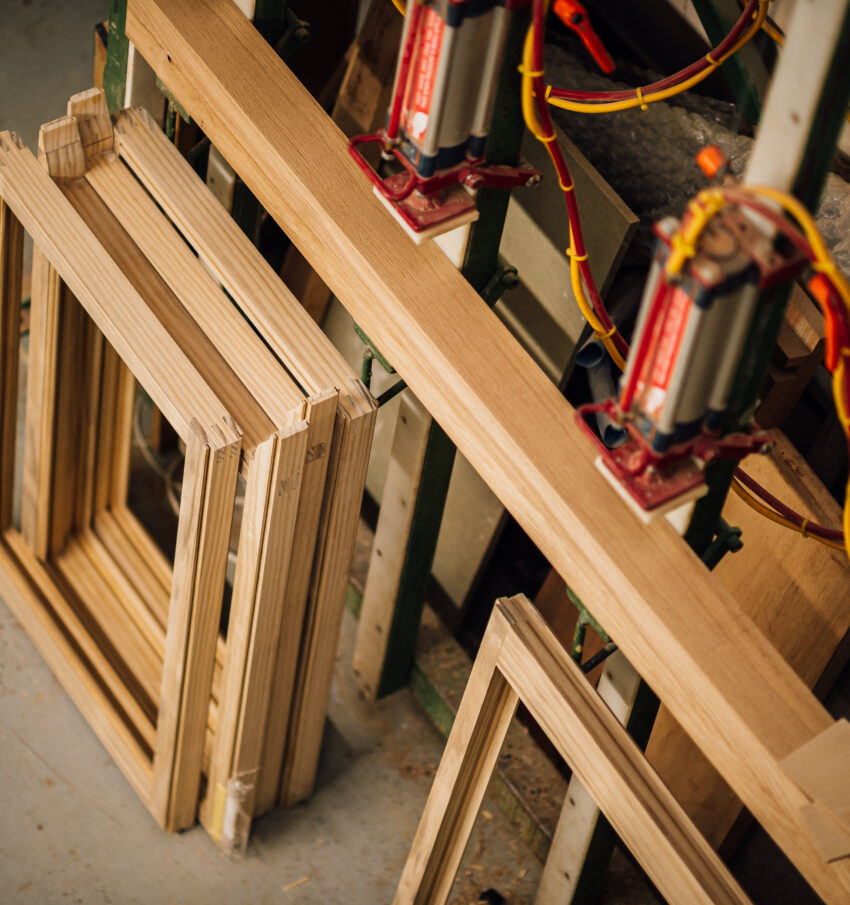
(140, 277)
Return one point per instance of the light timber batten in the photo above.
(58, 230)
(321, 418)
(348, 461)
(244, 352)
(11, 264)
(228, 252)
(723, 682)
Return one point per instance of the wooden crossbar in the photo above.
(721, 680)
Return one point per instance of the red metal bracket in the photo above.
(424, 202)
(654, 479)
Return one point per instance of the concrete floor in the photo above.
(72, 830)
(46, 57)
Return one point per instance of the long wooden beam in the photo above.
(722, 681)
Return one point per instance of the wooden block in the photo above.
(725, 684)
(89, 109)
(821, 768)
(61, 150)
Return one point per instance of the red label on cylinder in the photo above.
(662, 358)
(420, 90)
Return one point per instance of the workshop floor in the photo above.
(72, 830)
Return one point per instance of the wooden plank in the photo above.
(37, 483)
(206, 508)
(259, 613)
(11, 264)
(347, 465)
(321, 416)
(387, 560)
(725, 684)
(794, 590)
(206, 303)
(171, 381)
(479, 729)
(609, 764)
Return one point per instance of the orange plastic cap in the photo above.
(711, 160)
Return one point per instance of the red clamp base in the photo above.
(429, 206)
(658, 482)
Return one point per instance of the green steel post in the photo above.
(481, 263)
(117, 51)
(745, 71)
(807, 185)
